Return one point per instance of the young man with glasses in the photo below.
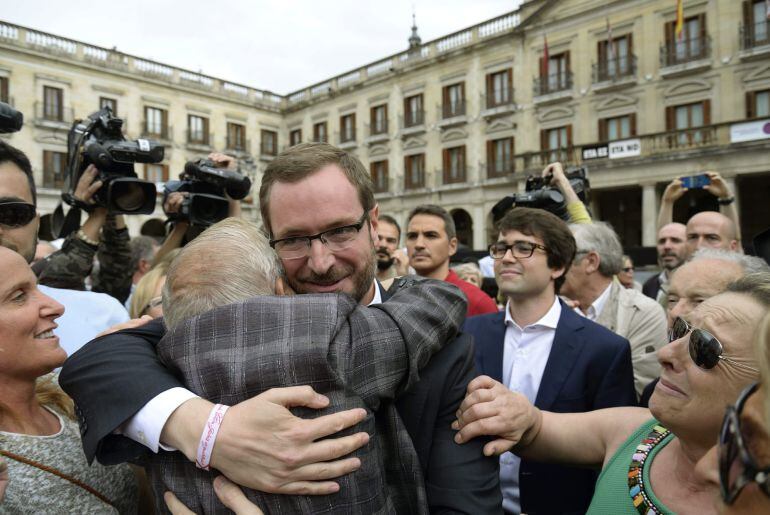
(544, 350)
(318, 208)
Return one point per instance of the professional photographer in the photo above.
(103, 234)
(178, 207)
(578, 214)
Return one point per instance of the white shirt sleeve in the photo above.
(145, 427)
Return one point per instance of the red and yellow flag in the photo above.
(678, 29)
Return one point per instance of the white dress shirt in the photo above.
(595, 309)
(525, 355)
(146, 425)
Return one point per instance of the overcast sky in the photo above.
(278, 45)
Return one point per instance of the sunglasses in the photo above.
(737, 467)
(705, 350)
(16, 214)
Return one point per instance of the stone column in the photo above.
(649, 215)
(479, 228)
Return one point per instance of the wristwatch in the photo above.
(83, 237)
(726, 201)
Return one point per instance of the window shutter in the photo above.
(446, 163)
(542, 68)
(670, 38)
(707, 112)
(670, 118)
(490, 90)
(490, 155)
(632, 123)
(510, 83)
(407, 112)
(566, 60)
(543, 139)
(569, 136)
(462, 162)
(603, 135)
(751, 107)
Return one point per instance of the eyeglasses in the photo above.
(628, 269)
(339, 238)
(737, 468)
(16, 214)
(519, 249)
(705, 350)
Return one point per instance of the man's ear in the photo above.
(452, 246)
(374, 222)
(592, 262)
(281, 288)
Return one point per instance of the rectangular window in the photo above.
(617, 128)
(379, 119)
(269, 141)
(453, 100)
(379, 170)
(236, 136)
(758, 104)
(53, 103)
(757, 22)
(413, 111)
(109, 102)
(156, 122)
(684, 118)
(615, 58)
(556, 143)
(499, 88)
(4, 90)
(414, 171)
(499, 157)
(348, 128)
(454, 164)
(558, 70)
(197, 129)
(692, 44)
(320, 132)
(54, 166)
(156, 173)
(295, 137)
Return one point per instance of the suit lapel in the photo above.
(567, 343)
(493, 347)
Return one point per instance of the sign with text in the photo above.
(625, 148)
(749, 131)
(595, 152)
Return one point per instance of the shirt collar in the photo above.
(595, 309)
(377, 295)
(550, 320)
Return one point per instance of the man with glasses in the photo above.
(539, 347)
(318, 208)
(87, 313)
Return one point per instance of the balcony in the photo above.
(685, 56)
(198, 140)
(53, 117)
(755, 40)
(268, 150)
(347, 138)
(454, 176)
(378, 132)
(497, 169)
(553, 88)
(238, 146)
(162, 133)
(413, 122)
(614, 74)
(498, 102)
(451, 113)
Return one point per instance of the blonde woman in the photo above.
(147, 297)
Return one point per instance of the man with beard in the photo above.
(391, 260)
(672, 252)
(318, 207)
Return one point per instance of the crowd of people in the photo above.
(326, 362)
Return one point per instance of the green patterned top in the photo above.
(612, 495)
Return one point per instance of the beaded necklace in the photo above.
(643, 504)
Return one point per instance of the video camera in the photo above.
(11, 120)
(539, 194)
(99, 140)
(206, 185)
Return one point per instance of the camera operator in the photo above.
(104, 235)
(173, 205)
(578, 214)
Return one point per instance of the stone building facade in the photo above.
(462, 120)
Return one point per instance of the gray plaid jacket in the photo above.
(357, 356)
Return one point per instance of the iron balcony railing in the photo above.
(755, 35)
(682, 51)
(614, 69)
(553, 83)
(498, 97)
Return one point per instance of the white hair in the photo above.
(599, 237)
(750, 264)
(228, 262)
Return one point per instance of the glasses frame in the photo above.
(701, 335)
(731, 447)
(322, 236)
(31, 208)
(509, 248)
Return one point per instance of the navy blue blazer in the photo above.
(589, 368)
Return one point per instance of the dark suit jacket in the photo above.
(589, 368)
(111, 378)
(651, 287)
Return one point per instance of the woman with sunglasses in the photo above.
(740, 463)
(147, 298)
(647, 457)
(44, 469)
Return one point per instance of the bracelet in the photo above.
(725, 201)
(209, 436)
(82, 236)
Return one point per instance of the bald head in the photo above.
(698, 280)
(710, 229)
(672, 250)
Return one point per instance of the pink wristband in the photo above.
(209, 436)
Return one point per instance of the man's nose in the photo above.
(320, 258)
